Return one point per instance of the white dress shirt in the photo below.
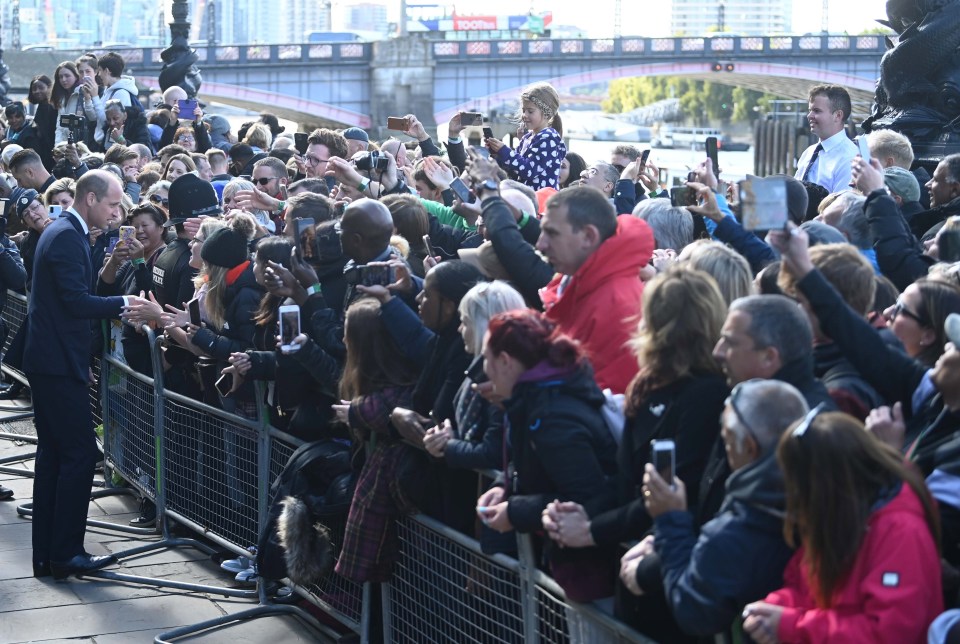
(832, 167)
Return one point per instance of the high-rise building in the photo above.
(746, 17)
(361, 16)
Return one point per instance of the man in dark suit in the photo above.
(57, 361)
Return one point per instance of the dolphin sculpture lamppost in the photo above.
(179, 59)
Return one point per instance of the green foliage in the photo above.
(702, 102)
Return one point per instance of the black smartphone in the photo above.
(461, 190)
(712, 148)
(187, 108)
(683, 196)
(224, 385)
(193, 306)
(948, 243)
(663, 456)
(300, 142)
(487, 133)
(378, 275)
(305, 232)
(643, 159)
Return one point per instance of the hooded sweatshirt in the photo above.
(599, 305)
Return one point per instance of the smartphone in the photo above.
(948, 243)
(127, 233)
(398, 123)
(429, 246)
(300, 142)
(487, 133)
(481, 151)
(683, 196)
(193, 306)
(55, 211)
(289, 327)
(663, 456)
(187, 109)
(712, 148)
(471, 118)
(864, 148)
(224, 384)
(112, 245)
(306, 238)
(379, 275)
(643, 159)
(763, 203)
(461, 190)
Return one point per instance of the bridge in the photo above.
(361, 84)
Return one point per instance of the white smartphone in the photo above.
(663, 455)
(55, 211)
(289, 327)
(864, 148)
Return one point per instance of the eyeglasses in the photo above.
(159, 200)
(900, 307)
(312, 160)
(187, 138)
(804, 425)
(264, 180)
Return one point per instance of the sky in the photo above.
(637, 19)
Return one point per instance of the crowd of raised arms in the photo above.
(708, 429)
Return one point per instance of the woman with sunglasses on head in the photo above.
(868, 564)
(158, 194)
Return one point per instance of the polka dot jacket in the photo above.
(537, 161)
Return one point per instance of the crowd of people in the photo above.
(514, 308)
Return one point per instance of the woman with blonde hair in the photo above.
(258, 137)
(725, 265)
(678, 394)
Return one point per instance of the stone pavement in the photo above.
(110, 612)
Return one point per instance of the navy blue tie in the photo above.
(816, 152)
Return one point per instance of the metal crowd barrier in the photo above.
(14, 315)
(210, 471)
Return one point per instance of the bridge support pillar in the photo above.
(401, 79)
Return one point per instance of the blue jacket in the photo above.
(738, 557)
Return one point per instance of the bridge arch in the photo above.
(789, 81)
(286, 106)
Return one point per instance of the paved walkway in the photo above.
(108, 612)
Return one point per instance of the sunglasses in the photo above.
(807, 421)
(157, 199)
(264, 180)
(901, 308)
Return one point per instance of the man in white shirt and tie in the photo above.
(828, 162)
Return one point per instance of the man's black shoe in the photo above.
(12, 392)
(80, 564)
(41, 569)
(5, 493)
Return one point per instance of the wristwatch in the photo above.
(489, 184)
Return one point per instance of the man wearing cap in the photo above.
(357, 141)
(219, 132)
(905, 190)
(58, 347)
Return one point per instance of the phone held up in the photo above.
(289, 327)
(399, 123)
(663, 456)
(187, 108)
(300, 142)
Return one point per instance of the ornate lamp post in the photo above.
(179, 59)
(4, 74)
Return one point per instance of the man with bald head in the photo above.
(57, 358)
(365, 231)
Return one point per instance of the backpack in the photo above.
(320, 478)
(135, 108)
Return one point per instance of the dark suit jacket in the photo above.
(59, 335)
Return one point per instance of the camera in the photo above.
(77, 125)
(373, 161)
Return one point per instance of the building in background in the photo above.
(741, 17)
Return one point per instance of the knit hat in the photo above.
(21, 198)
(191, 196)
(225, 247)
(356, 134)
(902, 183)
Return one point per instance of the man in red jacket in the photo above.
(595, 298)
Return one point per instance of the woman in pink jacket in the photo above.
(868, 566)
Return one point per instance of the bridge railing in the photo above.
(719, 46)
